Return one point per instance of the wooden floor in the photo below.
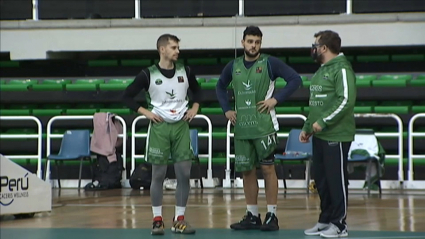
(397, 214)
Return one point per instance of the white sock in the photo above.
(157, 211)
(179, 211)
(272, 209)
(253, 209)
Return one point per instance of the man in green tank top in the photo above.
(253, 78)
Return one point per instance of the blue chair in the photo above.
(358, 158)
(303, 151)
(75, 146)
(194, 145)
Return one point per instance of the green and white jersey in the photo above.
(250, 87)
(167, 97)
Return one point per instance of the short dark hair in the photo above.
(163, 40)
(252, 30)
(330, 39)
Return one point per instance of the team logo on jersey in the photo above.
(173, 111)
(171, 94)
(248, 102)
(248, 120)
(158, 82)
(259, 69)
(238, 71)
(247, 85)
(180, 79)
(326, 76)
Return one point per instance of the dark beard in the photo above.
(251, 55)
(319, 59)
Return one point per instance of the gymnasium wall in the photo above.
(67, 26)
(47, 39)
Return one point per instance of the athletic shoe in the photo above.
(182, 226)
(157, 226)
(334, 232)
(317, 229)
(248, 222)
(271, 223)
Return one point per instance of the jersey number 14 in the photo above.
(270, 140)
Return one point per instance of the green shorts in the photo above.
(168, 139)
(250, 153)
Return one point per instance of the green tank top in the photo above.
(251, 86)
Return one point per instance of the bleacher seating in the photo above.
(363, 106)
(44, 97)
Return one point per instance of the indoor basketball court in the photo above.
(126, 213)
(67, 70)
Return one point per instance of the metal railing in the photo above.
(35, 10)
(411, 154)
(80, 117)
(398, 134)
(38, 136)
(137, 12)
(208, 135)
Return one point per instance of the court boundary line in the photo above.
(212, 229)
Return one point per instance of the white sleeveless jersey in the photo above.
(167, 97)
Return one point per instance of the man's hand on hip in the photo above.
(267, 105)
(190, 114)
(231, 115)
(151, 116)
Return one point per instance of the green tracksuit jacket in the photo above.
(332, 99)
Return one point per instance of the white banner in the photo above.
(22, 191)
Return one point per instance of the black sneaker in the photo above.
(270, 223)
(248, 222)
(157, 227)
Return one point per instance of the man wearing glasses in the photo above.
(331, 123)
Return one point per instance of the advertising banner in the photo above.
(22, 191)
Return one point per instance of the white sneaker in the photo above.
(317, 229)
(170, 184)
(334, 232)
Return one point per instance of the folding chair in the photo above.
(365, 149)
(75, 146)
(194, 145)
(295, 150)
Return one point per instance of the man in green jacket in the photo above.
(332, 125)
